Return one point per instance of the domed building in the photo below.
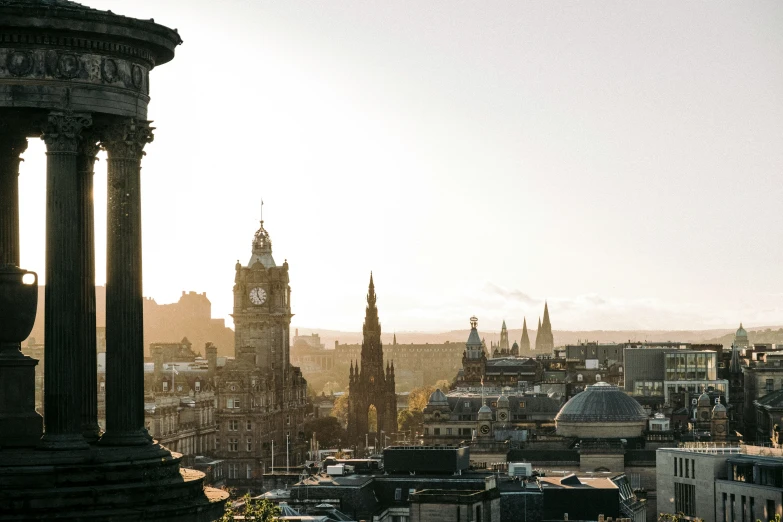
(741, 337)
(602, 411)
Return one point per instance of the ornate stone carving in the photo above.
(109, 70)
(126, 140)
(62, 130)
(137, 76)
(19, 63)
(68, 65)
(89, 146)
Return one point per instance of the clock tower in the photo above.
(261, 398)
(262, 309)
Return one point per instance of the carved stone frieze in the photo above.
(62, 131)
(89, 68)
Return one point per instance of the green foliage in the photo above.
(676, 517)
(776, 519)
(408, 420)
(255, 510)
(340, 410)
(328, 431)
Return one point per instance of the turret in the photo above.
(211, 351)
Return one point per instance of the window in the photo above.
(693, 468)
(467, 404)
(233, 471)
(249, 445)
(287, 420)
(233, 444)
(684, 498)
(198, 386)
(436, 431)
(426, 431)
(687, 467)
(233, 425)
(448, 431)
(249, 425)
(579, 378)
(770, 385)
(411, 491)
(675, 466)
(398, 494)
(217, 443)
(165, 386)
(249, 471)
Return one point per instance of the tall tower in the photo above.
(262, 309)
(370, 384)
(474, 359)
(259, 390)
(503, 338)
(545, 341)
(524, 343)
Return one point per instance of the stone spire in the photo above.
(372, 349)
(524, 343)
(545, 341)
(735, 367)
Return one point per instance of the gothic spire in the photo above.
(546, 324)
(524, 343)
(372, 348)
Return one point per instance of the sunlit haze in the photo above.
(620, 159)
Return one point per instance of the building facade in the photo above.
(261, 397)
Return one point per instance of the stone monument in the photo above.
(79, 79)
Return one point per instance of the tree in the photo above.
(408, 420)
(259, 510)
(328, 431)
(340, 410)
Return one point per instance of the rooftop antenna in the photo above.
(262, 210)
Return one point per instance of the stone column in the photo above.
(88, 367)
(12, 145)
(124, 141)
(64, 279)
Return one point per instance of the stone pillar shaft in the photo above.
(11, 147)
(124, 143)
(64, 277)
(88, 367)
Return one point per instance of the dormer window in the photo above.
(198, 386)
(165, 386)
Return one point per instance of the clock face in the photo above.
(720, 428)
(258, 296)
(502, 415)
(484, 429)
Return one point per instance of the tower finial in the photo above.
(262, 210)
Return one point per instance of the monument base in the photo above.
(20, 424)
(102, 483)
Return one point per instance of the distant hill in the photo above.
(562, 337)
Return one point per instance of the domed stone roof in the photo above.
(601, 402)
(741, 332)
(704, 399)
(503, 402)
(438, 398)
(485, 413)
(719, 410)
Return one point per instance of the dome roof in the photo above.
(485, 413)
(741, 332)
(503, 401)
(262, 249)
(601, 402)
(719, 408)
(438, 398)
(704, 399)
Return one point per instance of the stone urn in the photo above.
(18, 303)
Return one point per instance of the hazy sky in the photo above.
(620, 159)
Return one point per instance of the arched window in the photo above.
(579, 378)
(597, 377)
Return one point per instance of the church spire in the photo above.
(524, 343)
(546, 324)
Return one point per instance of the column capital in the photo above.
(126, 139)
(12, 145)
(62, 131)
(88, 148)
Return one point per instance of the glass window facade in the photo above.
(686, 365)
